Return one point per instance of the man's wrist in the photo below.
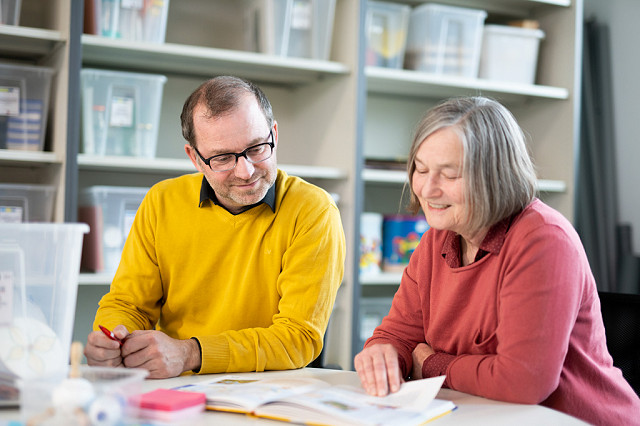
(193, 359)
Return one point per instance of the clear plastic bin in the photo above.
(372, 311)
(9, 12)
(510, 53)
(295, 28)
(109, 211)
(445, 40)
(26, 203)
(24, 106)
(39, 266)
(386, 29)
(134, 20)
(111, 401)
(120, 112)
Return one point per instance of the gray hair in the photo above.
(221, 95)
(499, 175)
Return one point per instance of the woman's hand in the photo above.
(419, 355)
(378, 369)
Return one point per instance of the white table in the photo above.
(472, 410)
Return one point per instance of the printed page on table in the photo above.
(414, 404)
(244, 395)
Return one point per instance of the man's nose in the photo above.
(244, 168)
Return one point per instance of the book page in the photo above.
(341, 405)
(242, 394)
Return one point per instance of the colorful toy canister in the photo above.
(401, 235)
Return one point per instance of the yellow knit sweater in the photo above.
(256, 289)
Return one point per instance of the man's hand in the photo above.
(104, 352)
(160, 354)
(419, 355)
(378, 369)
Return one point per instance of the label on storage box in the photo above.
(6, 297)
(10, 214)
(121, 111)
(9, 100)
(131, 4)
(302, 15)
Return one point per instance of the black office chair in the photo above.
(621, 316)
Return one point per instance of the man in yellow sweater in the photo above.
(231, 269)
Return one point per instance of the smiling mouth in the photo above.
(246, 184)
(437, 206)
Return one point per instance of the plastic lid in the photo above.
(514, 31)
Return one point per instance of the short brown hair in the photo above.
(221, 95)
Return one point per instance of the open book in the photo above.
(313, 401)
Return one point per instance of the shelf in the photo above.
(181, 166)
(383, 278)
(399, 82)
(134, 164)
(313, 172)
(515, 8)
(384, 176)
(30, 43)
(100, 278)
(28, 158)
(400, 177)
(205, 61)
(546, 185)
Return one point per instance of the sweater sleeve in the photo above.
(539, 297)
(311, 272)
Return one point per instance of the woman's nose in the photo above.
(430, 187)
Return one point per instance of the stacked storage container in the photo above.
(445, 40)
(120, 112)
(109, 211)
(293, 28)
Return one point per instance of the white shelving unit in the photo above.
(42, 39)
(547, 111)
(326, 129)
(305, 95)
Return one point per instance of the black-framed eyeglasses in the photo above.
(254, 154)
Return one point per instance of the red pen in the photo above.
(109, 334)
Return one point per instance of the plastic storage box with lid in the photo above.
(386, 28)
(372, 311)
(39, 266)
(134, 20)
(293, 28)
(111, 402)
(109, 211)
(9, 12)
(445, 40)
(510, 53)
(120, 112)
(26, 203)
(24, 106)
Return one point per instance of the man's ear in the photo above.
(191, 153)
(275, 133)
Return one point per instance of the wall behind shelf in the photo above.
(621, 16)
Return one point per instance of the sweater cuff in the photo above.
(436, 364)
(215, 354)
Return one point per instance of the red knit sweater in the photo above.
(521, 324)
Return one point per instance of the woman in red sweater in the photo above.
(498, 296)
